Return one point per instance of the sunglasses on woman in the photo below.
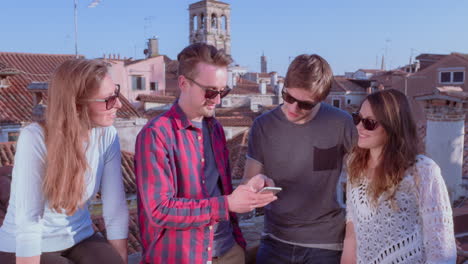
(110, 101)
(301, 104)
(211, 92)
(367, 123)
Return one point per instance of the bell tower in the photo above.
(210, 23)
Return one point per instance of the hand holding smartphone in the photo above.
(268, 189)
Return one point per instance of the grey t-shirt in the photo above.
(306, 161)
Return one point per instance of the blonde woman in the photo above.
(61, 164)
(398, 209)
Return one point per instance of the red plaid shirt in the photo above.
(175, 212)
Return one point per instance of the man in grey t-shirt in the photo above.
(300, 146)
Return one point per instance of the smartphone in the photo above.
(273, 190)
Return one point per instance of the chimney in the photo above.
(279, 87)
(274, 80)
(6, 71)
(230, 82)
(235, 77)
(262, 87)
(38, 89)
(153, 47)
(382, 66)
(263, 64)
(445, 112)
(4, 83)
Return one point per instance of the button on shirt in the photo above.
(175, 208)
(223, 238)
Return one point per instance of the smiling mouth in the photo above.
(293, 114)
(362, 135)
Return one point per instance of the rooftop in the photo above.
(16, 101)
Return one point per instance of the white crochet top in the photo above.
(420, 231)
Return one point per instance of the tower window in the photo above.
(214, 22)
(223, 23)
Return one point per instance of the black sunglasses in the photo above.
(211, 92)
(301, 104)
(110, 101)
(367, 123)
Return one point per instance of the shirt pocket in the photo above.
(326, 159)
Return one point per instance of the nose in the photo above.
(295, 107)
(359, 126)
(217, 99)
(118, 103)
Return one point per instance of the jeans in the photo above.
(272, 251)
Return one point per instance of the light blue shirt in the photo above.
(31, 227)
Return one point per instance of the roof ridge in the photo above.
(41, 54)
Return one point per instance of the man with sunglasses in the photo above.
(186, 204)
(300, 145)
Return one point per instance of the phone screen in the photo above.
(273, 190)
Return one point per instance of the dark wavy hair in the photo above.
(393, 112)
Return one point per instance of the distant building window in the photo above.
(452, 77)
(13, 136)
(226, 102)
(154, 86)
(445, 77)
(349, 101)
(336, 103)
(138, 82)
(458, 77)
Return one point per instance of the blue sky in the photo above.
(350, 34)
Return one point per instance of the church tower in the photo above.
(210, 22)
(263, 64)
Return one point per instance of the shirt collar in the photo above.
(181, 119)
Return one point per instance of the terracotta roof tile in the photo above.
(150, 114)
(429, 56)
(236, 121)
(16, 102)
(250, 89)
(343, 84)
(246, 82)
(236, 116)
(128, 172)
(264, 75)
(151, 98)
(237, 147)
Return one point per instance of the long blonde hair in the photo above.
(67, 125)
(393, 112)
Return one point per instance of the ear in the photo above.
(183, 83)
